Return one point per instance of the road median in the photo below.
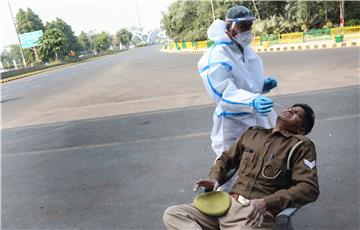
(280, 47)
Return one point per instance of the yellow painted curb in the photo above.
(294, 47)
(184, 51)
(277, 48)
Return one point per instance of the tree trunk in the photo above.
(342, 13)
(36, 53)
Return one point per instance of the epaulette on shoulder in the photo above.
(302, 138)
(257, 128)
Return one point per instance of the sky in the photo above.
(85, 15)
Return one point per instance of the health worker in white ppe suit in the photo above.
(233, 76)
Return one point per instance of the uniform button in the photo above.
(267, 144)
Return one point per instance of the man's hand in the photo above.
(207, 183)
(256, 217)
(269, 84)
(263, 105)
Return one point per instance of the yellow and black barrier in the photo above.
(337, 34)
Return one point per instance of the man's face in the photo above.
(241, 27)
(292, 119)
(244, 26)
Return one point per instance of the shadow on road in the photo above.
(10, 99)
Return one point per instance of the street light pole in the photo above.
(138, 15)
(257, 12)
(17, 34)
(212, 7)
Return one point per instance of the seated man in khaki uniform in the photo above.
(269, 180)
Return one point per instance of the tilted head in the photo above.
(298, 119)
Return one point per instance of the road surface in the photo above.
(120, 170)
(146, 80)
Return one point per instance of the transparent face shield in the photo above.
(243, 34)
(246, 22)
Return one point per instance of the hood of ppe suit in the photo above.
(229, 54)
(216, 32)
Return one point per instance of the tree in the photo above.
(92, 39)
(6, 60)
(114, 42)
(203, 19)
(124, 37)
(179, 19)
(28, 21)
(84, 41)
(71, 43)
(352, 11)
(102, 42)
(29, 56)
(51, 44)
(15, 54)
(189, 20)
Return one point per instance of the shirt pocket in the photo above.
(273, 169)
(246, 162)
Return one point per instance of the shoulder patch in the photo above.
(310, 164)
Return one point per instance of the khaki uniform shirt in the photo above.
(262, 160)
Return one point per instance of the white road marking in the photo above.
(34, 86)
(27, 79)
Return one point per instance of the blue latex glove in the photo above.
(269, 84)
(263, 105)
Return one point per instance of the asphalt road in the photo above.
(147, 80)
(25, 94)
(122, 171)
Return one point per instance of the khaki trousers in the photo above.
(186, 216)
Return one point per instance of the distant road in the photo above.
(145, 79)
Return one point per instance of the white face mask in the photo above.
(243, 38)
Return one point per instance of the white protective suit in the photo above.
(232, 84)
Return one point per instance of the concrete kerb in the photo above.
(281, 47)
(33, 73)
(306, 46)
